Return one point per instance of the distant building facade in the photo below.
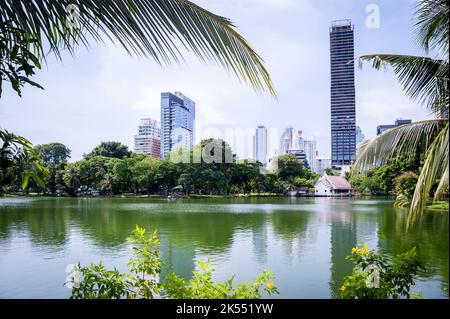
(177, 122)
(343, 102)
(286, 140)
(148, 139)
(383, 128)
(260, 144)
(359, 135)
(322, 163)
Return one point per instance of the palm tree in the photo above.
(151, 28)
(425, 80)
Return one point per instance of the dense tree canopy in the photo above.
(111, 169)
(110, 149)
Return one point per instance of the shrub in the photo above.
(375, 276)
(95, 281)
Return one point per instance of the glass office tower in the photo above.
(343, 105)
(177, 122)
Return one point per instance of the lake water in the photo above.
(303, 241)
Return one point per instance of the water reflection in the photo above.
(301, 240)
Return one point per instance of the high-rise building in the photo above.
(311, 152)
(343, 103)
(298, 142)
(359, 135)
(261, 144)
(177, 122)
(322, 163)
(148, 140)
(286, 140)
(398, 122)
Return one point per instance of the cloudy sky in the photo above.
(101, 94)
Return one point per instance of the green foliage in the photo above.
(331, 172)
(219, 174)
(17, 61)
(382, 179)
(289, 167)
(376, 276)
(110, 149)
(54, 157)
(201, 286)
(19, 162)
(146, 28)
(96, 282)
(405, 184)
(424, 80)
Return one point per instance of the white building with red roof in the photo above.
(333, 186)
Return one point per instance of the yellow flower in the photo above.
(366, 246)
(343, 288)
(270, 284)
(354, 250)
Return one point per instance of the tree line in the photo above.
(112, 169)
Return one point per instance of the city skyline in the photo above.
(87, 87)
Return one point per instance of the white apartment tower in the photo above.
(148, 140)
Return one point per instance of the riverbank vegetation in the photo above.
(142, 280)
(111, 169)
(377, 276)
(424, 80)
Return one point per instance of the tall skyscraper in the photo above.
(343, 104)
(286, 140)
(261, 144)
(148, 139)
(177, 122)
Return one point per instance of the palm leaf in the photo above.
(150, 28)
(405, 140)
(442, 187)
(433, 169)
(432, 18)
(423, 79)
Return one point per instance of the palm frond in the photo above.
(442, 187)
(432, 20)
(405, 140)
(423, 79)
(433, 169)
(150, 28)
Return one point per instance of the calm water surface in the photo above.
(303, 241)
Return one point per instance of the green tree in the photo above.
(110, 149)
(145, 174)
(405, 184)
(54, 156)
(425, 80)
(71, 178)
(96, 173)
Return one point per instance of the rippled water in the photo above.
(303, 241)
